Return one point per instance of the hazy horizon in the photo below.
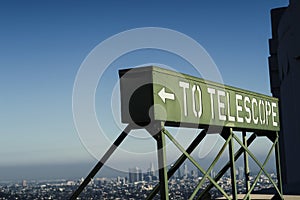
(74, 171)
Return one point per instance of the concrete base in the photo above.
(266, 196)
(291, 197)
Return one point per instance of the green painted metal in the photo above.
(226, 167)
(179, 161)
(103, 160)
(259, 164)
(162, 164)
(232, 166)
(246, 164)
(157, 97)
(260, 172)
(214, 162)
(194, 162)
(278, 167)
(152, 93)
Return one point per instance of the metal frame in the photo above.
(159, 133)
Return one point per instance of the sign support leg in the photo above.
(179, 161)
(100, 164)
(246, 164)
(278, 167)
(162, 163)
(200, 184)
(226, 167)
(232, 166)
(194, 162)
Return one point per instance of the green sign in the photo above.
(152, 93)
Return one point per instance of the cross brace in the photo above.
(159, 132)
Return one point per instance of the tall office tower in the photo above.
(24, 183)
(179, 173)
(140, 175)
(212, 173)
(284, 68)
(135, 175)
(194, 174)
(240, 173)
(151, 169)
(185, 170)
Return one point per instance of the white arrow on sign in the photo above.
(165, 95)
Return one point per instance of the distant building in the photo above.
(240, 173)
(151, 170)
(179, 173)
(212, 173)
(284, 65)
(121, 180)
(194, 174)
(185, 170)
(69, 183)
(135, 175)
(150, 175)
(24, 183)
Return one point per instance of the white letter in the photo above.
(274, 114)
(248, 118)
(221, 105)
(261, 112)
(230, 118)
(238, 107)
(268, 111)
(255, 120)
(211, 91)
(199, 113)
(185, 86)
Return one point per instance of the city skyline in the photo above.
(80, 169)
(44, 44)
(121, 187)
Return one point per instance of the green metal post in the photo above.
(278, 167)
(100, 164)
(194, 162)
(232, 166)
(258, 163)
(246, 164)
(162, 163)
(226, 167)
(260, 172)
(179, 161)
(210, 167)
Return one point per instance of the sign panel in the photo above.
(152, 93)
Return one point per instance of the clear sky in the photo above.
(43, 43)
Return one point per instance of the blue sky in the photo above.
(43, 43)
